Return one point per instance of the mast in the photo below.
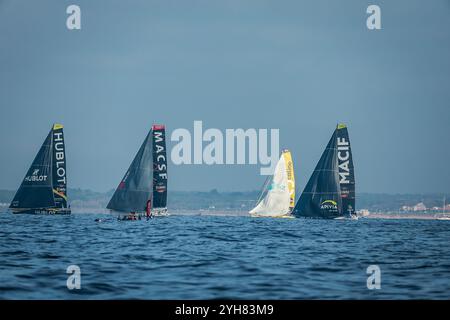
(443, 208)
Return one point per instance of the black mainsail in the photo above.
(146, 178)
(330, 192)
(44, 188)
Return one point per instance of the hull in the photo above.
(329, 217)
(160, 215)
(283, 216)
(134, 216)
(320, 218)
(127, 216)
(43, 211)
(130, 217)
(160, 212)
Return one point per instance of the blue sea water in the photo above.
(207, 257)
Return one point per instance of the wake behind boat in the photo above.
(143, 189)
(278, 193)
(330, 192)
(44, 188)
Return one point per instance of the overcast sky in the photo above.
(300, 66)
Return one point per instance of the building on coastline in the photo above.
(420, 207)
(363, 212)
(417, 208)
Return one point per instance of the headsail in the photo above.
(159, 199)
(135, 188)
(45, 184)
(278, 194)
(331, 185)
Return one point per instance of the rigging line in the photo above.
(263, 191)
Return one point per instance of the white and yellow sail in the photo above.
(290, 177)
(278, 196)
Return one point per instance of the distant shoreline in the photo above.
(388, 206)
(240, 213)
(419, 216)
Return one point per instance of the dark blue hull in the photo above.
(330, 217)
(43, 211)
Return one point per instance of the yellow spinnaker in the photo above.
(290, 177)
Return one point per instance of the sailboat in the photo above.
(44, 188)
(444, 215)
(143, 189)
(278, 193)
(330, 192)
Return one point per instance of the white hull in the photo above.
(160, 212)
(283, 216)
(166, 214)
